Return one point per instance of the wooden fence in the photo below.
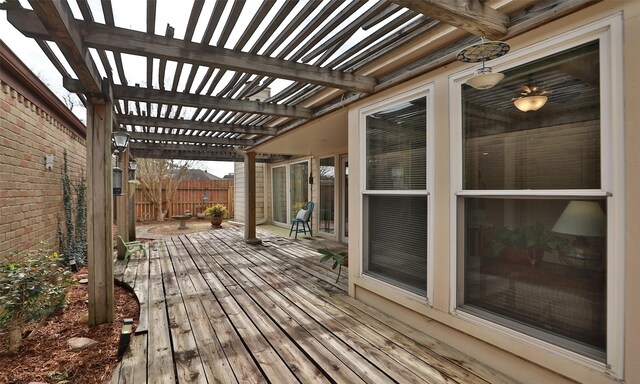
(192, 196)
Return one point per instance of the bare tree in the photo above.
(160, 179)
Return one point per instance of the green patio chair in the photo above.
(132, 247)
(303, 217)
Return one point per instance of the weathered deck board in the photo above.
(222, 311)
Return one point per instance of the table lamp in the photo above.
(581, 219)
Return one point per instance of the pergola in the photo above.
(208, 99)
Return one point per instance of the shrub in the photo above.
(33, 286)
(217, 210)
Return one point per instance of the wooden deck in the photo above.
(216, 310)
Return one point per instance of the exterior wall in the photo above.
(262, 213)
(527, 362)
(33, 123)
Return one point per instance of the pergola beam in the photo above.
(203, 156)
(58, 20)
(471, 15)
(121, 40)
(211, 102)
(189, 139)
(147, 121)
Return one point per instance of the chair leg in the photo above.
(297, 224)
(291, 230)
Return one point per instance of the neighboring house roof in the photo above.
(199, 174)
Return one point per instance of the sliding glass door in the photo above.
(290, 189)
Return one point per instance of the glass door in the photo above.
(280, 194)
(327, 194)
(299, 187)
(344, 199)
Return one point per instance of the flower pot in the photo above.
(216, 221)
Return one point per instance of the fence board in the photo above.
(189, 197)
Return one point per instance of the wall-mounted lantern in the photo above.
(133, 165)
(119, 141)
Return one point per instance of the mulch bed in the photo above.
(45, 357)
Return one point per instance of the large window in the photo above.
(532, 208)
(396, 198)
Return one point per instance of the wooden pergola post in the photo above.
(100, 210)
(250, 199)
(131, 200)
(122, 204)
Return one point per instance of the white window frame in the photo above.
(609, 32)
(288, 189)
(426, 91)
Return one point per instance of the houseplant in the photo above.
(338, 258)
(525, 244)
(217, 212)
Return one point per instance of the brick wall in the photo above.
(33, 123)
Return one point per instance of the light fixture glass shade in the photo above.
(530, 103)
(120, 140)
(485, 79)
(117, 181)
(133, 164)
(582, 218)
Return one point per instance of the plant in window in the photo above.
(526, 243)
(339, 258)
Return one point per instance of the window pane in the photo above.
(327, 194)
(299, 174)
(280, 194)
(396, 147)
(554, 147)
(397, 239)
(539, 266)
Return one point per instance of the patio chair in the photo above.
(132, 247)
(303, 217)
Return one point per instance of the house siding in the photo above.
(261, 193)
(528, 362)
(33, 123)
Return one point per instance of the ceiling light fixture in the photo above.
(480, 52)
(531, 98)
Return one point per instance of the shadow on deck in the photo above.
(216, 310)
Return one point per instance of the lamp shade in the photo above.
(120, 140)
(530, 103)
(485, 79)
(582, 218)
(133, 165)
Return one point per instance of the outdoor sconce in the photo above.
(133, 165)
(48, 162)
(119, 141)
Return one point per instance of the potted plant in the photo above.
(217, 212)
(526, 244)
(339, 259)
